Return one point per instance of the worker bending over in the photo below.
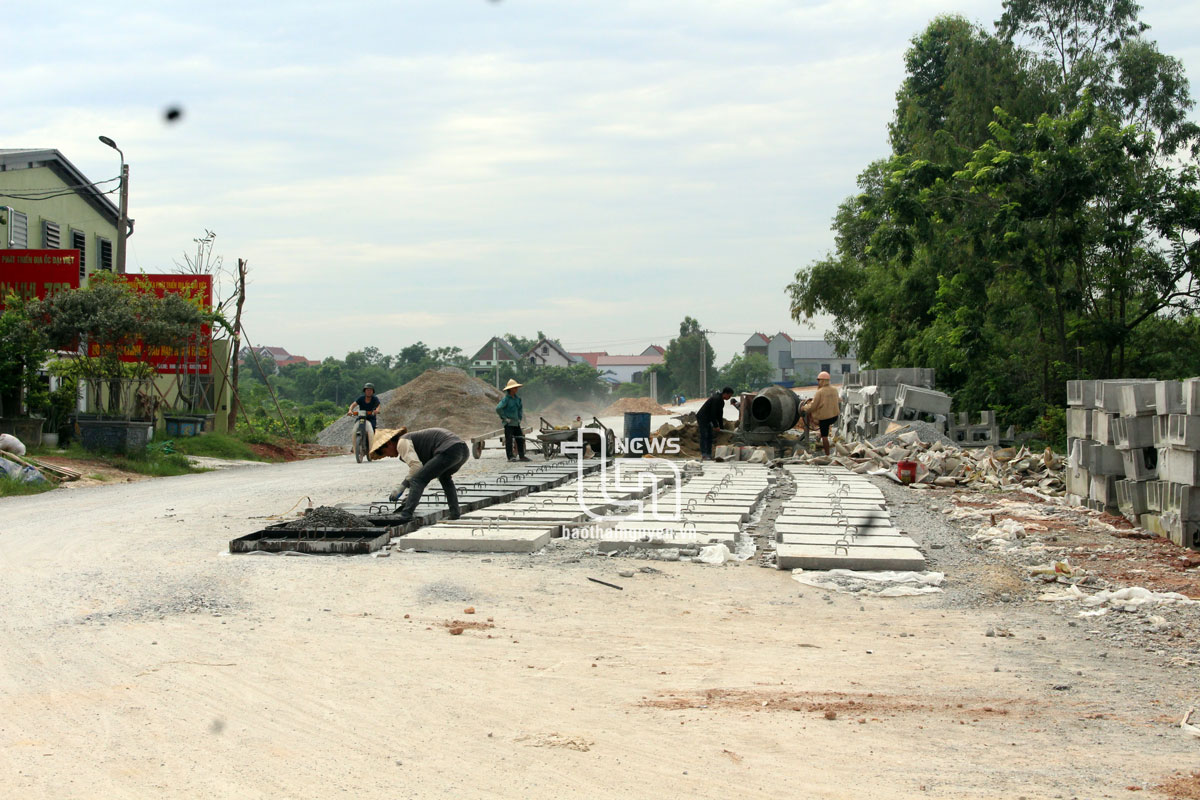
(823, 407)
(709, 419)
(431, 454)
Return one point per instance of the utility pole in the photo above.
(124, 223)
(496, 362)
(703, 363)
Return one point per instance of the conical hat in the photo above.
(381, 437)
(512, 384)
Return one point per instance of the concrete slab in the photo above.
(824, 526)
(855, 557)
(617, 545)
(461, 539)
(858, 541)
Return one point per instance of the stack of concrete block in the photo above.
(1134, 447)
(875, 398)
(870, 399)
(984, 434)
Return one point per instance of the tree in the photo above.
(23, 351)
(746, 373)
(413, 354)
(686, 355)
(1030, 218)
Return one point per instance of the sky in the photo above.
(449, 170)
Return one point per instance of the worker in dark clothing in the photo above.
(368, 402)
(431, 454)
(710, 418)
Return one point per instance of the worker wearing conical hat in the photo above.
(511, 416)
(431, 454)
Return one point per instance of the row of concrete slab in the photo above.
(639, 503)
(840, 520)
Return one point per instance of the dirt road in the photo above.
(137, 659)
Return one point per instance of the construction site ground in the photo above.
(141, 659)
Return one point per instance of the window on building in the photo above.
(845, 369)
(18, 230)
(824, 368)
(79, 242)
(785, 359)
(51, 235)
(106, 254)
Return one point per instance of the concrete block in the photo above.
(1162, 427)
(1183, 432)
(461, 539)
(1180, 499)
(1109, 393)
(1079, 423)
(1153, 523)
(1102, 429)
(1181, 466)
(1154, 495)
(928, 400)
(1131, 498)
(1106, 460)
(1168, 397)
(1131, 433)
(1081, 394)
(1139, 399)
(1140, 464)
(1183, 532)
(1079, 482)
(1103, 491)
(808, 556)
(1191, 396)
(862, 540)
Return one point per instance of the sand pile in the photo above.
(636, 404)
(688, 436)
(437, 398)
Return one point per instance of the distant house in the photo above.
(549, 353)
(628, 369)
(799, 361)
(495, 352)
(590, 358)
(272, 358)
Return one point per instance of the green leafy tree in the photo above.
(746, 373)
(685, 356)
(23, 350)
(1037, 210)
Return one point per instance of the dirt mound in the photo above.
(688, 436)
(637, 404)
(437, 398)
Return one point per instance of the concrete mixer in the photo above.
(766, 416)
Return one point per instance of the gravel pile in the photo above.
(327, 517)
(437, 398)
(925, 432)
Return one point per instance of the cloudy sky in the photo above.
(445, 170)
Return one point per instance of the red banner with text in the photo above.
(37, 273)
(194, 358)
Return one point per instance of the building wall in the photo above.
(806, 369)
(70, 211)
(779, 354)
(623, 373)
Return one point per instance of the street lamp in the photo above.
(124, 224)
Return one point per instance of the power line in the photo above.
(59, 189)
(51, 196)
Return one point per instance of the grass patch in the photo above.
(216, 445)
(98, 476)
(10, 487)
(158, 459)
